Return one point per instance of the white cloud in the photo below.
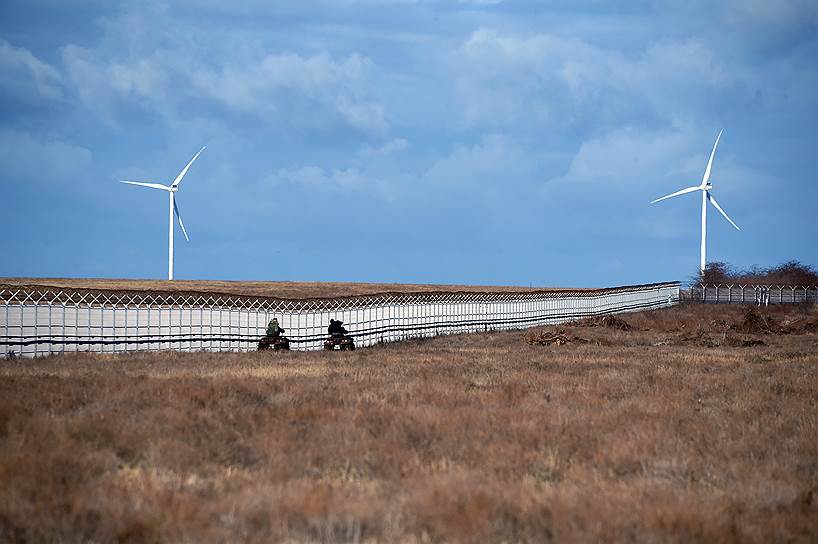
(497, 161)
(559, 81)
(481, 171)
(280, 81)
(653, 163)
(31, 160)
(320, 179)
(507, 78)
(316, 91)
(781, 13)
(411, 2)
(25, 76)
(393, 146)
(627, 157)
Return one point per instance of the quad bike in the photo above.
(344, 343)
(276, 343)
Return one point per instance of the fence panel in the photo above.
(761, 295)
(43, 321)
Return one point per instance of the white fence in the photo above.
(42, 321)
(761, 295)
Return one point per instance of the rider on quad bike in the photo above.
(338, 336)
(274, 338)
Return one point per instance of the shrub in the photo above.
(788, 273)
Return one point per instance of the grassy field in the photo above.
(278, 289)
(693, 424)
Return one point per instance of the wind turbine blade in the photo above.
(178, 179)
(716, 204)
(151, 185)
(677, 193)
(706, 177)
(179, 217)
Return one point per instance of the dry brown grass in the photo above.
(461, 439)
(278, 289)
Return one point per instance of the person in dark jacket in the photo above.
(274, 330)
(336, 328)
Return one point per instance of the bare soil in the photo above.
(637, 434)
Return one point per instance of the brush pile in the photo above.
(607, 321)
(552, 338)
(755, 323)
(692, 326)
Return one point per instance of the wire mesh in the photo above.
(44, 321)
(760, 295)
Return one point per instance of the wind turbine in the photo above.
(705, 188)
(174, 209)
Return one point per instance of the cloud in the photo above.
(497, 161)
(26, 77)
(104, 85)
(31, 160)
(496, 165)
(314, 86)
(783, 13)
(393, 146)
(411, 2)
(505, 79)
(627, 157)
(647, 164)
(315, 91)
(562, 81)
(315, 177)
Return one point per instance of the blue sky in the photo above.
(432, 141)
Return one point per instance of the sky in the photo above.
(495, 142)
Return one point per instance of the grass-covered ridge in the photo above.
(645, 434)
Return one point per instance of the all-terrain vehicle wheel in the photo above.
(274, 343)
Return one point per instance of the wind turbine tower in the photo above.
(172, 208)
(705, 188)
